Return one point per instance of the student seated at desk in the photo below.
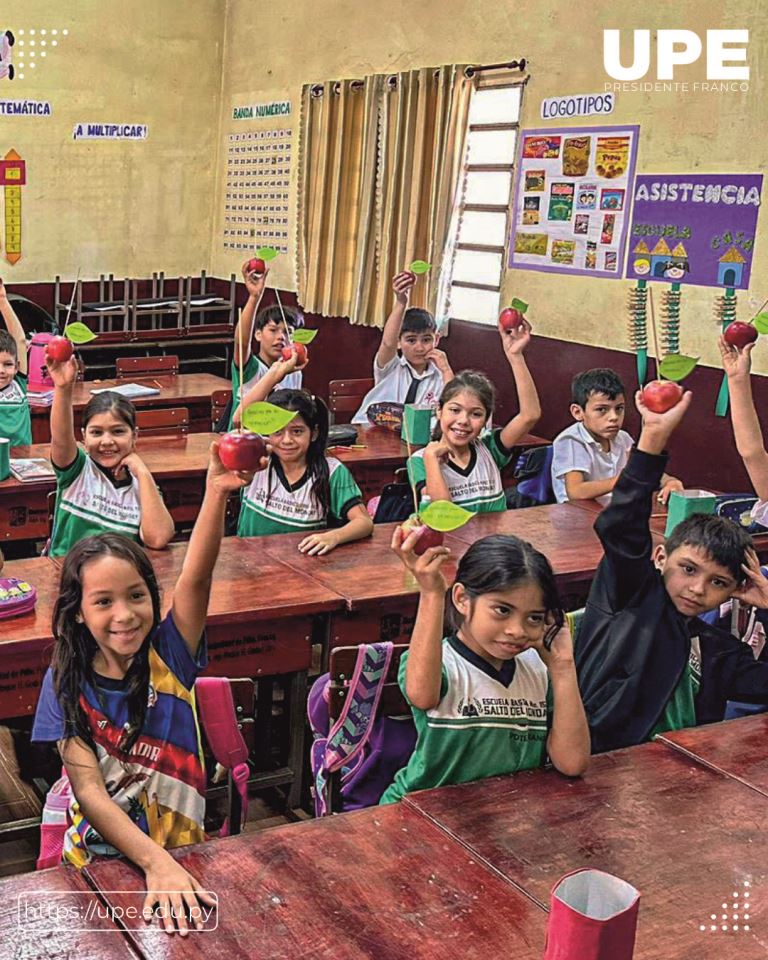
(459, 464)
(15, 418)
(499, 694)
(408, 367)
(118, 700)
(266, 333)
(646, 662)
(105, 485)
(588, 456)
(302, 489)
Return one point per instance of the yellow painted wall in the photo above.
(112, 206)
(303, 41)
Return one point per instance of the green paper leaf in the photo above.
(761, 323)
(79, 333)
(303, 336)
(420, 266)
(266, 418)
(520, 305)
(677, 366)
(266, 253)
(445, 516)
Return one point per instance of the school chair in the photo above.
(168, 422)
(20, 803)
(126, 368)
(221, 407)
(345, 397)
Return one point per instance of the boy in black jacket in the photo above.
(646, 663)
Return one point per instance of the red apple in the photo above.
(299, 349)
(256, 265)
(661, 395)
(739, 334)
(242, 451)
(510, 319)
(60, 349)
(428, 538)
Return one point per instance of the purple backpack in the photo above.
(365, 749)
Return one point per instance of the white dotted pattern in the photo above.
(736, 915)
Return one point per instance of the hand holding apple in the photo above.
(739, 334)
(242, 452)
(62, 372)
(256, 265)
(402, 284)
(297, 351)
(661, 395)
(737, 363)
(255, 281)
(515, 339)
(658, 427)
(220, 477)
(59, 348)
(427, 537)
(425, 568)
(510, 319)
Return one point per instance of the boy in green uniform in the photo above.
(15, 421)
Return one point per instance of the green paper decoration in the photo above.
(677, 366)
(761, 323)
(420, 266)
(266, 253)
(444, 516)
(520, 305)
(79, 333)
(265, 418)
(304, 336)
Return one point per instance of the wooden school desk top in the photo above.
(381, 883)
(56, 915)
(686, 836)
(35, 626)
(181, 388)
(736, 748)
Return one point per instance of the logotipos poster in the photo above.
(572, 199)
(694, 228)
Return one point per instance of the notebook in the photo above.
(36, 468)
(130, 390)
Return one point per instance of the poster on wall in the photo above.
(572, 199)
(13, 176)
(694, 228)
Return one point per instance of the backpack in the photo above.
(533, 472)
(738, 507)
(16, 597)
(367, 750)
(395, 503)
(341, 435)
(218, 719)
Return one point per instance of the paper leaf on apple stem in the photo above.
(79, 333)
(761, 323)
(520, 305)
(266, 418)
(444, 516)
(266, 253)
(420, 266)
(303, 335)
(677, 366)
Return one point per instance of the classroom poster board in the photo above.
(572, 199)
(694, 228)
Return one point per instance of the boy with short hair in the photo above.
(646, 663)
(408, 367)
(588, 456)
(15, 420)
(270, 330)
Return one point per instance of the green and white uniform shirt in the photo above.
(476, 487)
(680, 711)
(272, 505)
(488, 722)
(253, 371)
(89, 502)
(15, 420)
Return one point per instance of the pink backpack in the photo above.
(216, 709)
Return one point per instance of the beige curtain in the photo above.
(380, 162)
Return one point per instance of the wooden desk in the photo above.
(56, 915)
(684, 835)
(735, 748)
(178, 464)
(382, 883)
(191, 390)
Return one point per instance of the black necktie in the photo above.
(410, 397)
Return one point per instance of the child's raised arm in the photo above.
(190, 597)
(244, 329)
(514, 343)
(402, 284)
(266, 384)
(14, 327)
(424, 667)
(746, 426)
(63, 442)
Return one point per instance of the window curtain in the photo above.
(380, 163)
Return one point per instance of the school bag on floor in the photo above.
(365, 748)
(738, 507)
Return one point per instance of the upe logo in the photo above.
(678, 48)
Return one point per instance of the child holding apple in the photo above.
(460, 464)
(266, 332)
(408, 367)
(104, 486)
(15, 420)
(645, 660)
(588, 456)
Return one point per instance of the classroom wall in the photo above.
(272, 56)
(120, 206)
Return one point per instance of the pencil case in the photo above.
(16, 597)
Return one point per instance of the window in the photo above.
(483, 212)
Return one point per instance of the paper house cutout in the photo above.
(730, 267)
